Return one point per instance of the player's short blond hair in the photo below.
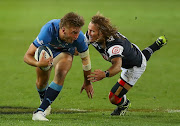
(72, 20)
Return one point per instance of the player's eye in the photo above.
(92, 31)
(74, 32)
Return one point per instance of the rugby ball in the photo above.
(39, 53)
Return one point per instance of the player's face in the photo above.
(93, 32)
(71, 34)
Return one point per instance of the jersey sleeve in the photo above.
(44, 36)
(115, 51)
(87, 38)
(80, 43)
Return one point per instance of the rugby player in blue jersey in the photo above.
(125, 57)
(62, 36)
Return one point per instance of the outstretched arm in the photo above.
(87, 71)
(115, 68)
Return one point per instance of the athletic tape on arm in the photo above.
(84, 54)
(87, 67)
(86, 60)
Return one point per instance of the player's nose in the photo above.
(89, 33)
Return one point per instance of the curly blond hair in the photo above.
(104, 26)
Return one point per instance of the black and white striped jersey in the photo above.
(119, 47)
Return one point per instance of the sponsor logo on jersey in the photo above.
(110, 39)
(40, 41)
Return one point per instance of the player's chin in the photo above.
(91, 40)
(70, 41)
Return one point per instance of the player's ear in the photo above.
(63, 29)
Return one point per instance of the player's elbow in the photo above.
(118, 69)
(25, 58)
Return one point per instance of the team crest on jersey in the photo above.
(116, 50)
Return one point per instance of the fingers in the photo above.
(97, 70)
(89, 90)
(43, 56)
(93, 74)
(82, 89)
(50, 61)
(97, 75)
(43, 53)
(50, 58)
(92, 77)
(90, 93)
(46, 62)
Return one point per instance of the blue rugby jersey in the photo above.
(49, 36)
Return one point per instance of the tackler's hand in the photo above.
(97, 75)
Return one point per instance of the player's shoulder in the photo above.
(86, 38)
(55, 21)
(81, 37)
(51, 26)
(118, 40)
(113, 42)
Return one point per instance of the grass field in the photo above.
(155, 97)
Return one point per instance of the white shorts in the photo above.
(131, 75)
